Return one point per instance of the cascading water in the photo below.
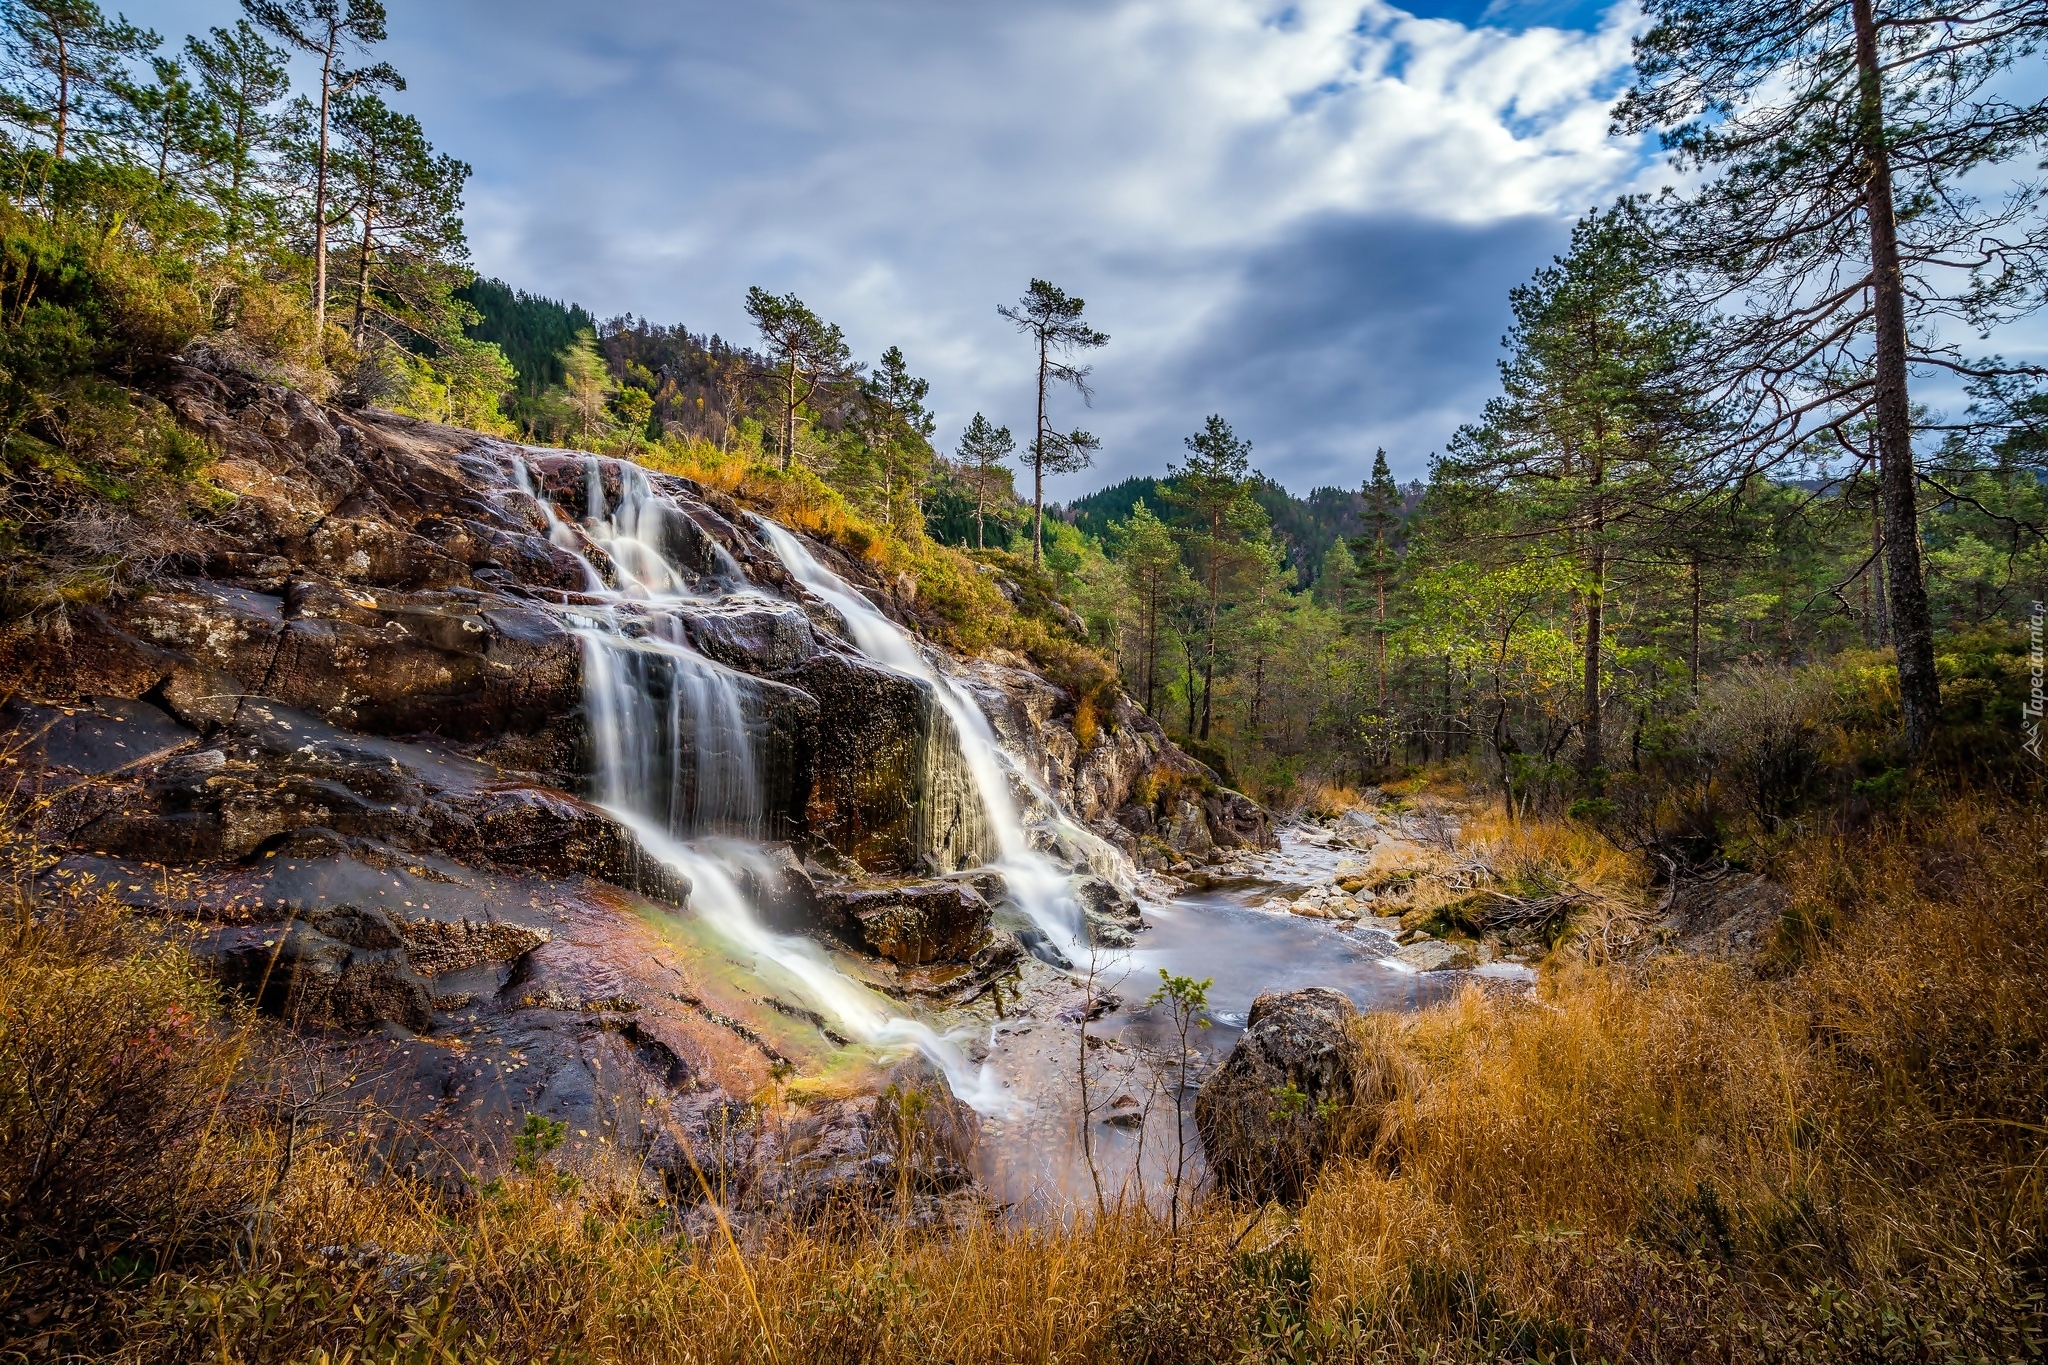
(675, 740)
(1040, 886)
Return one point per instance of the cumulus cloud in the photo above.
(1303, 215)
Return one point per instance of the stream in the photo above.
(1032, 1154)
(679, 757)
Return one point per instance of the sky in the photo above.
(1305, 217)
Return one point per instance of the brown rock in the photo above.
(914, 923)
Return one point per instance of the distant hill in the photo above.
(530, 330)
(1308, 526)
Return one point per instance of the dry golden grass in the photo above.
(1674, 1161)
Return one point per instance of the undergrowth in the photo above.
(1678, 1160)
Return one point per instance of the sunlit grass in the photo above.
(1640, 1161)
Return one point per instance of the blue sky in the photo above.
(1305, 217)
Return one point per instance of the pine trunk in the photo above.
(1912, 619)
(320, 193)
(1038, 463)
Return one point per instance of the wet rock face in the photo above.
(316, 979)
(874, 729)
(913, 924)
(1270, 1115)
(753, 634)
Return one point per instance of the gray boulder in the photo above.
(911, 923)
(1273, 1112)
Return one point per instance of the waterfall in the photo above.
(1040, 886)
(673, 733)
(674, 740)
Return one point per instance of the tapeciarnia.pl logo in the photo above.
(2037, 696)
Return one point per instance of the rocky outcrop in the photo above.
(356, 976)
(342, 740)
(1278, 1106)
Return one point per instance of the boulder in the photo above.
(1273, 1112)
(1435, 955)
(911, 923)
(1236, 821)
(841, 1159)
(1102, 897)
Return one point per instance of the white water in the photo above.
(1040, 886)
(673, 737)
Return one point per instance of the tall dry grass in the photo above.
(1836, 1158)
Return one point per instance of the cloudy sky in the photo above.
(1303, 216)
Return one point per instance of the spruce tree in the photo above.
(1382, 515)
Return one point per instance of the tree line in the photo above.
(1706, 450)
(158, 192)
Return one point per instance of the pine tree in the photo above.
(244, 77)
(1839, 228)
(173, 128)
(898, 430)
(405, 201)
(1226, 529)
(1157, 578)
(330, 30)
(1589, 434)
(1336, 577)
(807, 352)
(1052, 319)
(982, 448)
(60, 56)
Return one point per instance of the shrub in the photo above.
(113, 1062)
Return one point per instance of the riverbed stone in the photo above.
(1437, 955)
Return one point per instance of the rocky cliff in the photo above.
(342, 743)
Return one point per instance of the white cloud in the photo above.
(905, 165)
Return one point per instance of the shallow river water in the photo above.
(1032, 1157)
